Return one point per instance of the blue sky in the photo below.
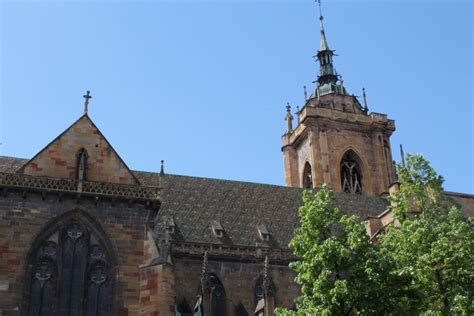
(203, 84)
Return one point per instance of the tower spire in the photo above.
(328, 78)
(324, 43)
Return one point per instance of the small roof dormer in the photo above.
(263, 232)
(217, 229)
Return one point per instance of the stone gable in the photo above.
(59, 158)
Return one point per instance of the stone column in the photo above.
(292, 178)
(157, 289)
(315, 158)
(323, 145)
(379, 176)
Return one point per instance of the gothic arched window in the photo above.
(307, 177)
(217, 296)
(81, 164)
(69, 274)
(351, 173)
(259, 289)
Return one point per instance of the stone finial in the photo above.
(162, 169)
(289, 119)
(86, 97)
(267, 279)
(305, 94)
(366, 108)
(204, 273)
(297, 113)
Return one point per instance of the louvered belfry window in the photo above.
(351, 174)
(70, 274)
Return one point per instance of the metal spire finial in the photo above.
(321, 18)
(162, 169)
(402, 155)
(86, 96)
(324, 43)
(366, 108)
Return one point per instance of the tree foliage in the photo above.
(340, 272)
(422, 265)
(432, 242)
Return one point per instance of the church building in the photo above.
(83, 234)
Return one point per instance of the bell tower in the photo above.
(337, 141)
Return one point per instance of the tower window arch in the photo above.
(307, 176)
(351, 173)
(69, 272)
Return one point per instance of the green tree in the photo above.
(431, 242)
(423, 265)
(340, 272)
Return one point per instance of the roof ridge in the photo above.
(215, 179)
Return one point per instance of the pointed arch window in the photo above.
(81, 164)
(351, 173)
(259, 289)
(70, 274)
(217, 296)
(307, 176)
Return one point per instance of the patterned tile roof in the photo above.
(194, 203)
(11, 164)
(240, 207)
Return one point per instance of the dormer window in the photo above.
(217, 229)
(170, 226)
(263, 232)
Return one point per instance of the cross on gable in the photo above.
(86, 96)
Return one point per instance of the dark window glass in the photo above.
(217, 297)
(42, 288)
(81, 164)
(82, 270)
(307, 177)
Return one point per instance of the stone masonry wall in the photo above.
(23, 217)
(58, 159)
(157, 289)
(239, 280)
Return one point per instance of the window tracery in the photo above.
(351, 174)
(217, 296)
(70, 274)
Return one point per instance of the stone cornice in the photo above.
(139, 193)
(232, 252)
(313, 117)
